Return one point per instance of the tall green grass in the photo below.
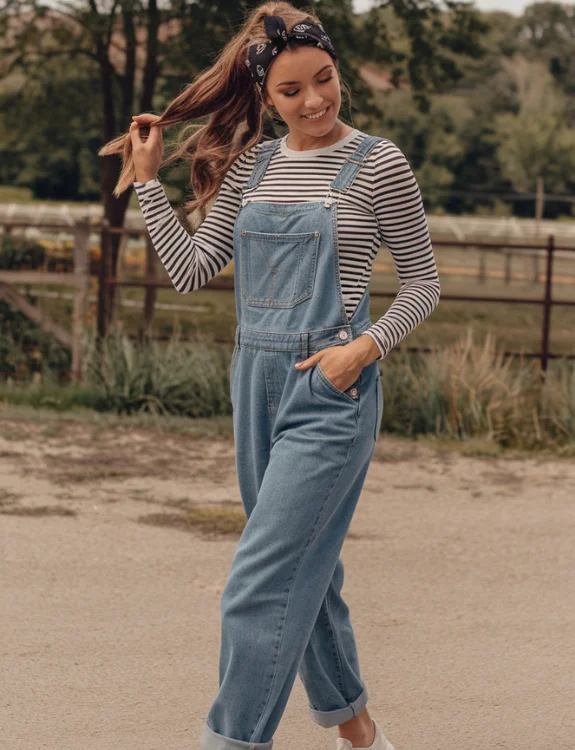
(467, 390)
(188, 379)
(470, 390)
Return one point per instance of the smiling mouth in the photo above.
(317, 115)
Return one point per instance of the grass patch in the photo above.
(8, 498)
(215, 427)
(467, 391)
(188, 379)
(38, 511)
(9, 506)
(52, 397)
(211, 521)
(474, 391)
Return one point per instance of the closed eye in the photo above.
(293, 93)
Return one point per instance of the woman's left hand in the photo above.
(339, 364)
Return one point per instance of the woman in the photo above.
(303, 218)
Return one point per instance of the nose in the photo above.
(313, 101)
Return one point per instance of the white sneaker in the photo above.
(379, 742)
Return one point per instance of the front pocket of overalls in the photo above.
(347, 393)
(278, 270)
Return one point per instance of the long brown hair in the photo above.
(225, 91)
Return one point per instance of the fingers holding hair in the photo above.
(141, 133)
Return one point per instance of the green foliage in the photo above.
(547, 30)
(462, 391)
(25, 349)
(180, 378)
(50, 395)
(534, 140)
(489, 103)
(475, 391)
(438, 34)
(55, 154)
(18, 253)
(70, 91)
(434, 143)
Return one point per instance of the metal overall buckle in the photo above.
(330, 199)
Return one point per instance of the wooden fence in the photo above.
(80, 282)
(547, 302)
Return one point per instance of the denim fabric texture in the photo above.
(303, 448)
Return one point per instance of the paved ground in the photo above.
(460, 576)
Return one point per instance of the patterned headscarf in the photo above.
(261, 56)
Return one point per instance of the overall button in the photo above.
(353, 392)
(342, 335)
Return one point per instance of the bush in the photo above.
(468, 390)
(19, 253)
(25, 349)
(190, 379)
(462, 391)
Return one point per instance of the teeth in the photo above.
(318, 114)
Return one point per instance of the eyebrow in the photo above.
(291, 83)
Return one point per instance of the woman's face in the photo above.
(303, 81)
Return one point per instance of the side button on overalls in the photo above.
(303, 447)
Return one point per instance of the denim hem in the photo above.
(211, 740)
(333, 718)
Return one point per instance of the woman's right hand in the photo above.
(147, 146)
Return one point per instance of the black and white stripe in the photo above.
(383, 205)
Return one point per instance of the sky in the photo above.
(511, 6)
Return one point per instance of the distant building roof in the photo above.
(379, 79)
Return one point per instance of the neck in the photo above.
(299, 141)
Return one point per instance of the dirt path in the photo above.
(460, 576)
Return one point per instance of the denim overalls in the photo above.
(303, 448)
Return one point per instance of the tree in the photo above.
(142, 53)
(55, 152)
(439, 35)
(547, 33)
(123, 44)
(535, 140)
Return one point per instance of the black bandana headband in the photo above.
(261, 56)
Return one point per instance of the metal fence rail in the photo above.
(107, 280)
(547, 302)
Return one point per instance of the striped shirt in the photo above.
(383, 205)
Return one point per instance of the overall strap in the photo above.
(263, 157)
(353, 163)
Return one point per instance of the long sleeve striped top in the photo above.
(383, 206)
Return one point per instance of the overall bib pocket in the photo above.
(278, 270)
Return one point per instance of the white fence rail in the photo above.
(464, 228)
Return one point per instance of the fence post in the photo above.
(150, 291)
(536, 266)
(508, 259)
(102, 285)
(482, 267)
(81, 290)
(547, 303)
